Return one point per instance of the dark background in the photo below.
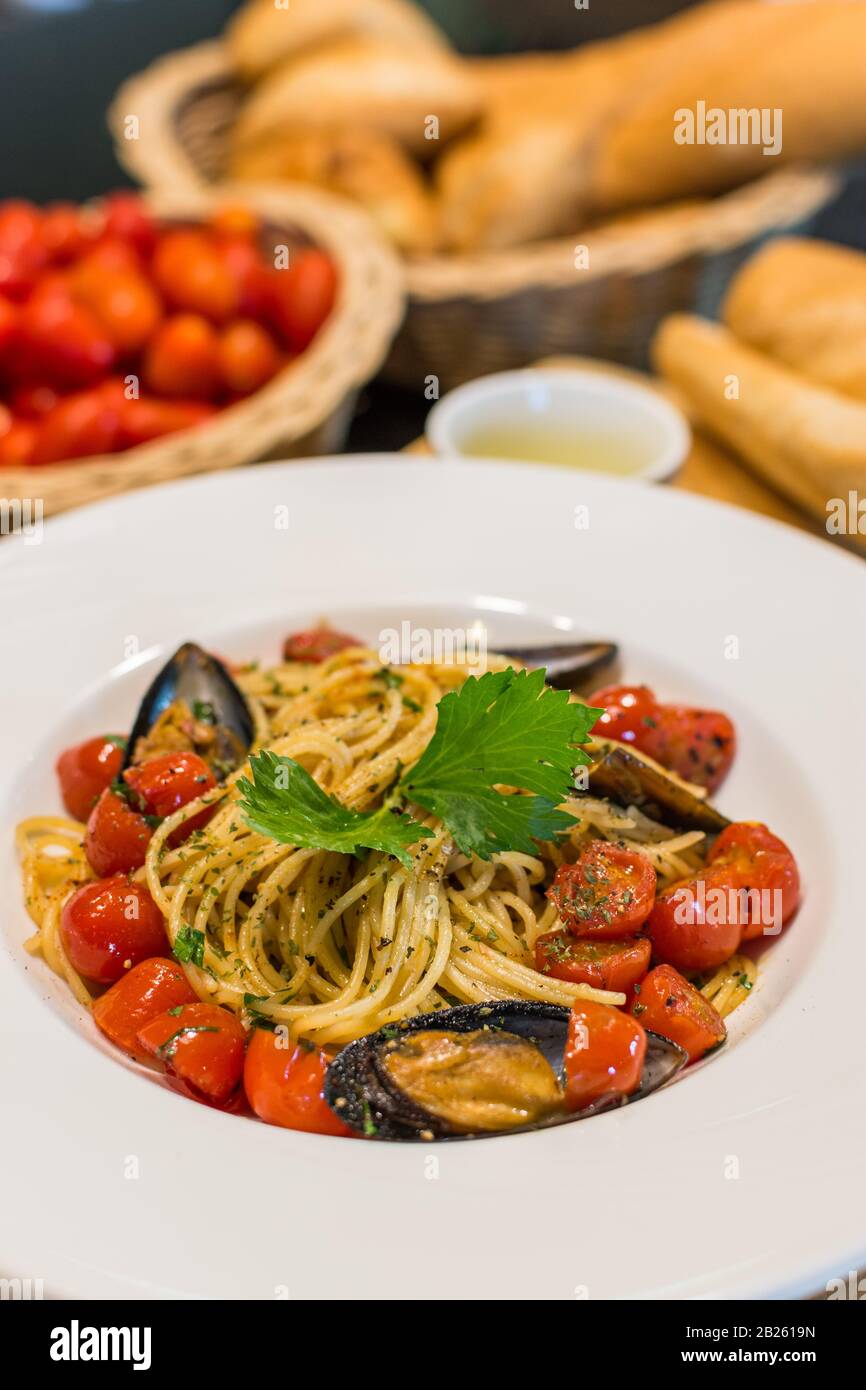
(61, 62)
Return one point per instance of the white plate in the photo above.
(744, 1179)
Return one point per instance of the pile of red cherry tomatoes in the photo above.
(116, 329)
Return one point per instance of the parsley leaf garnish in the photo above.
(189, 946)
(504, 728)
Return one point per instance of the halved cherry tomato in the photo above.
(604, 1053)
(127, 218)
(165, 783)
(124, 304)
(85, 771)
(695, 924)
(18, 442)
(181, 358)
(696, 744)
(303, 296)
(109, 926)
(607, 893)
(317, 644)
(117, 836)
(667, 1004)
(284, 1085)
(763, 864)
(149, 988)
(84, 423)
(247, 355)
(147, 417)
(193, 277)
(202, 1044)
(613, 965)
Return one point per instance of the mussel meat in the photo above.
(626, 777)
(193, 704)
(568, 665)
(469, 1072)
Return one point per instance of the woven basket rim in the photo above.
(647, 241)
(348, 350)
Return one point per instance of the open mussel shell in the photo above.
(568, 665)
(359, 1089)
(202, 682)
(623, 776)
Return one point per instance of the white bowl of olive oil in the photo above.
(571, 417)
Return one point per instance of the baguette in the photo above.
(805, 58)
(804, 303)
(263, 35)
(806, 441)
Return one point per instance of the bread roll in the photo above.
(805, 58)
(807, 441)
(358, 164)
(804, 303)
(263, 34)
(365, 83)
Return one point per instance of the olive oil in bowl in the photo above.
(618, 451)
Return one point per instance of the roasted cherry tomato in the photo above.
(165, 783)
(193, 277)
(117, 836)
(109, 926)
(148, 989)
(667, 1004)
(84, 423)
(124, 304)
(613, 965)
(316, 644)
(181, 358)
(247, 355)
(86, 770)
(202, 1044)
(607, 893)
(284, 1085)
(126, 218)
(762, 862)
(695, 924)
(303, 296)
(147, 418)
(696, 744)
(604, 1054)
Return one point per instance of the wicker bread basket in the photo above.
(307, 406)
(472, 314)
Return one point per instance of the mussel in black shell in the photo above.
(469, 1072)
(625, 776)
(193, 704)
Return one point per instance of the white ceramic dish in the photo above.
(627, 428)
(742, 1179)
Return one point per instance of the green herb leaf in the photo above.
(189, 946)
(286, 804)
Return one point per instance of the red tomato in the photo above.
(85, 423)
(181, 358)
(110, 925)
(251, 275)
(235, 220)
(695, 924)
(248, 356)
(9, 319)
(303, 296)
(667, 1004)
(148, 989)
(192, 275)
(18, 443)
(171, 780)
(604, 1054)
(761, 862)
(110, 253)
(317, 644)
(34, 402)
(284, 1085)
(696, 744)
(607, 893)
(127, 219)
(123, 303)
(149, 418)
(613, 965)
(61, 341)
(66, 233)
(117, 836)
(201, 1044)
(22, 253)
(85, 771)
(20, 224)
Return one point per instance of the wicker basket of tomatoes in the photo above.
(142, 339)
